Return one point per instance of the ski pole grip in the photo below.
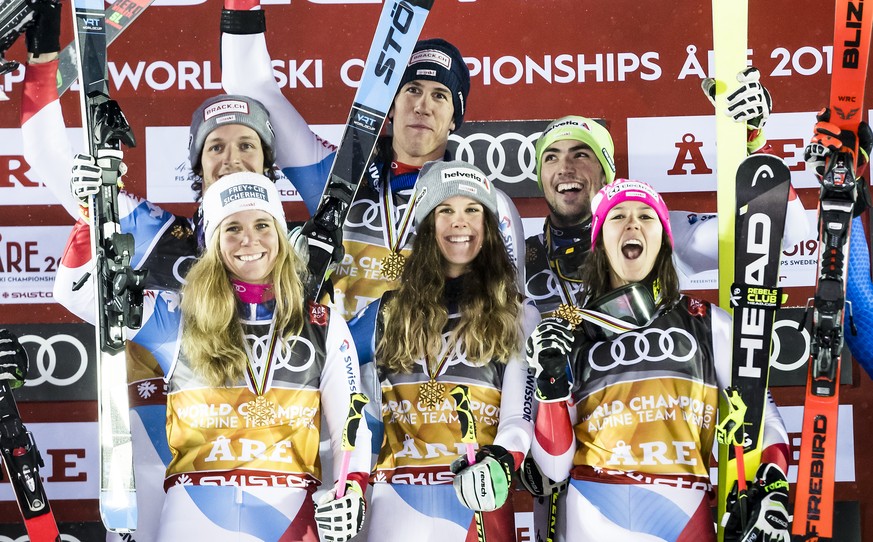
(461, 395)
(350, 434)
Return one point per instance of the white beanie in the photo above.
(237, 192)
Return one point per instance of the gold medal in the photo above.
(392, 265)
(569, 313)
(431, 393)
(260, 412)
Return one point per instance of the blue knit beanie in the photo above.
(438, 60)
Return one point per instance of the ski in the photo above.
(118, 17)
(118, 287)
(22, 461)
(762, 185)
(814, 500)
(729, 37)
(399, 26)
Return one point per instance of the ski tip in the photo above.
(118, 510)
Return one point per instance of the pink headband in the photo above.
(626, 190)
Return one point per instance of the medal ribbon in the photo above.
(565, 293)
(395, 234)
(449, 349)
(259, 383)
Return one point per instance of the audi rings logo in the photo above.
(44, 366)
(786, 330)
(507, 157)
(651, 345)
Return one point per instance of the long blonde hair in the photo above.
(416, 315)
(212, 334)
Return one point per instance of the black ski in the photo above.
(22, 462)
(762, 188)
(399, 26)
(118, 288)
(118, 17)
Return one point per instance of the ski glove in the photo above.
(44, 36)
(298, 243)
(340, 519)
(768, 508)
(537, 483)
(88, 177)
(13, 359)
(750, 103)
(828, 137)
(546, 351)
(484, 486)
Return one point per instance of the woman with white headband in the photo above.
(252, 369)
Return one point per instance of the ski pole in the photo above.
(461, 395)
(350, 434)
(553, 516)
(731, 431)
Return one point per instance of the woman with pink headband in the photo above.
(628, 404)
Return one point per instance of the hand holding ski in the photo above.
(840, 188)
(399, 26)
(118, 287)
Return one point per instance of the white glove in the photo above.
(750, 103)
(88, 173)
(768, 520)
(484, 486)
(340, 519)
(815, 154)
(299, 243)
(13, 359)
(87, 178)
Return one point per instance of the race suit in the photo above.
(638, 437)
(245, 456)
(412, 483)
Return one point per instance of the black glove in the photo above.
(44, 36)
(537, 483)
(767, 501)
(485, 485)
(321, 239)
(546, 351)
(13, 359)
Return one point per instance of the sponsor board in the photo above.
(845, 461)
(29, 258)
(799, 264)
(677, 154)
(61, 364)
(70, 452)
(19, 182)
(504, 151)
